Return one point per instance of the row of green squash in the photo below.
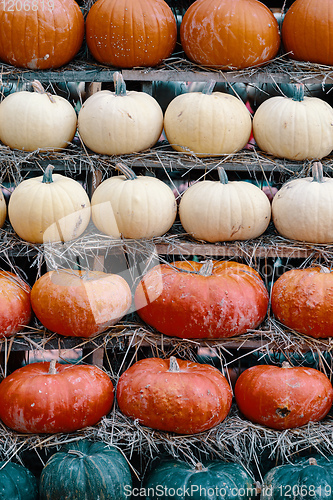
(202, 123)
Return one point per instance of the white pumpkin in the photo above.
(3, 209)
(120, 122)
(302, 209)
(49, 208)
(224, 211)
(133, 207)
(296, 128)
(207, 123)
(37, 120)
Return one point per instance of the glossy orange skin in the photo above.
(230, 302)
(193, 400)
(15, 306)
(35, 401)
(282, 397)
(79, 304)
(44, 34)
(229, 34)
(307, 31)
(302, 299)
(128, 33)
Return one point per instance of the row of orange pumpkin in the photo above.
(130, 33)
(186, 299)
(203, 123)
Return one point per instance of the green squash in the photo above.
(86, 470)
(308, 479)
(17, 482)
(174, 479)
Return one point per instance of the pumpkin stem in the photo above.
(285, 364)
(52, 369)
(317, 172)
(199, 467)
(38, 87)
(208, 87)
(298, 94)
(312, 461)
(223, 178)
(47, 176)
(127, 171)
(324, 269)
(119, 84)
(174, 366)
(206, 268)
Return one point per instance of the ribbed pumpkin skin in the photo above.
(17, 482)
(283, 397)
(188, 401)
(229, 302)
(302, 299)
(212, 476)
(78, 303)
(32, 400)
(84, 470)
(307, 31)
(230, 34)
(15, 306)
(44, 34)
(128, 33)
(304, 479)
(3, 209)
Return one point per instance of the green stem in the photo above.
(298, 94)
(127, 171)
(47, 176)
(222, 175)
(174, 366)
(209, 87)
(317, 172)
(119, 84)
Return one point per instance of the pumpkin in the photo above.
(15, 306)
(283, 397)
(302, 299)
(207, 123)
(80, 303)
(40, 34)
(83, 470)
(49, 208)
(50, 397)
(281, 124)
(128, 33)
(218, 33)
(224, 211)
(307, 31)
(17, 482)
(212, 477)
(36, 120)
(308, 478)
(120, 122)
(3, 209)
(133, 206)
(301, 208)
(174, 395)
(190, 300)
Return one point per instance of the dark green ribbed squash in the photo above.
(214, 480)
(17, 482)
(309, 479)
(86, 470)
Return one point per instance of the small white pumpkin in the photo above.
(3, 209)
(120, 122)
(36, 120)
(133, 207)
(207, 123)
(224, 211)
(302, 209)
(49, 208)
(296, 128)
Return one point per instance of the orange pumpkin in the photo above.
(41, 34)
(128, 33)
(174, 395)
(229, 34)
(15, 306)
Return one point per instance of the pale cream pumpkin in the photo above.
(301, 209)
(120, 122)
(36, 120)
(49, 208)
(296, 128)
(207, 123)
(3, 209)
(133, 207)
(224, 211)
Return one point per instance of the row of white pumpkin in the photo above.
(54, 207)
(203, 123)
